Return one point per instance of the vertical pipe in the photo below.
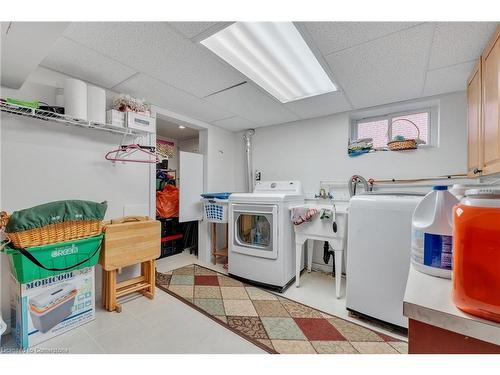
(247, 138)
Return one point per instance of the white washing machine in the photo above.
(261, 238)
(378, 256)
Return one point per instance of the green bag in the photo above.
(55, 212)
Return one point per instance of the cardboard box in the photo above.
(45, 308)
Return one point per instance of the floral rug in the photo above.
(273, 323)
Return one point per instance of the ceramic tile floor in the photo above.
(166, 325)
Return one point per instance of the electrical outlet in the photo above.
(258, 175)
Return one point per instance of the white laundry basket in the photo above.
(215, 210)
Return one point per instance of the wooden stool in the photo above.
(111, 290)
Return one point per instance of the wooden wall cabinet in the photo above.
(483, 112)
(474, 113)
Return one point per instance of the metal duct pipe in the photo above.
(247, 138)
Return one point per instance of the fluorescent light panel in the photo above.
(275, 56)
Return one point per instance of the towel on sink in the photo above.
(303, 214)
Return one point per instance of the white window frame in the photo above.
(432, 111)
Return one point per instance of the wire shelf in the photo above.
(39, 114)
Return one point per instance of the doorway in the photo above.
(179, 181)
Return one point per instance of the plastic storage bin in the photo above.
(170, 226)
(172, 247)
(40, 262)
(432, 229)
(476, 258)
(52, 306)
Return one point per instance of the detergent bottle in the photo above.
(432, 230)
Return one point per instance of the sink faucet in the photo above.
(323, 195)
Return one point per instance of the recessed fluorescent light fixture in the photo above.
(275, 56)
(182, 127)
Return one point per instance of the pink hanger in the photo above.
(124, 151)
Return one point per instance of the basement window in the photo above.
(410, 125)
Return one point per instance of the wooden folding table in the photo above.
(128, 241)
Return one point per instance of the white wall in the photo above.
(221, 157)
(190, 145)
(44, 161)
(221, 154)
(316, 149)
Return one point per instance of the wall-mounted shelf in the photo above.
(62, 119)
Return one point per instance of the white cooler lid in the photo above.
(51, 295)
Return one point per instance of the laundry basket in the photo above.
(403, 144)
(215, 207)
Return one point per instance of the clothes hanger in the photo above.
(125, 151)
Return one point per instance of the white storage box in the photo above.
(115, 118)
(140, 122)
(46, 308)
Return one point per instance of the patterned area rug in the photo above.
(274, 323)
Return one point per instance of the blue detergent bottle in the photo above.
(432, 229)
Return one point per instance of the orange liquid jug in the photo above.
(476, 254)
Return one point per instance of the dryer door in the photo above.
(255, 230)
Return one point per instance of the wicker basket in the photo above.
(407, 144)
(59, 232)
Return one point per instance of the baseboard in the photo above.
(327, 268)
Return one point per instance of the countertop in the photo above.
(428, 300)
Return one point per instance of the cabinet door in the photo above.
(491, 106)
(474, 121)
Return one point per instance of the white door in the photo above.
(190, 186)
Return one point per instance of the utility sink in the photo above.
(324, 228)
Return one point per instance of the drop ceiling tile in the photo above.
(72, 59)
(385, 70)
(23, 46)
(321, 105)
(335, 36)
(448, 79)
(157, 50)
(191, 29)
(235, 124)
(457, 42)
(170, 98)
(252, 104)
